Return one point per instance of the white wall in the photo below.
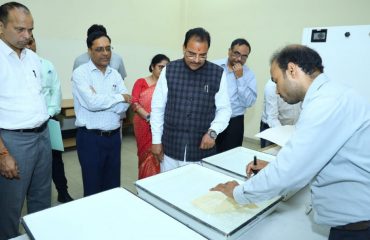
(139, 29)
(268, 25)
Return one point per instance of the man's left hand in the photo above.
(226, 188)
(207, 142)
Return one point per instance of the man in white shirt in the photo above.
(190, 105)
(276, 112)
(100, 99)
(25, 151)
(329, 148)
(115, 61)
(242, 91)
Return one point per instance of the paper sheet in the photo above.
(216, 202)
(55, 135)
(278, 135)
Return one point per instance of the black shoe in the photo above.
(64, 197)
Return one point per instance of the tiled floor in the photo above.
(73, 169)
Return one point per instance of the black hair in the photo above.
(306, 58)
(96, 28)
(6, 7)
(240, 41)
(200, 33)
(157, 59)
(93, 36)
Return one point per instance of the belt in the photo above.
(357, 226)
(38, 129)
(102, 133)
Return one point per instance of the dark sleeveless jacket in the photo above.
(190, 109)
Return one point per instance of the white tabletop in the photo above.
(289, 221)
(114, 214)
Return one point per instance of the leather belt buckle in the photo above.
(107, 133)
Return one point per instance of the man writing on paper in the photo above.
(330, 148)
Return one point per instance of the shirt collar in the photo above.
(8, 50)
(315, 85)
(92, 68)
(223, 64)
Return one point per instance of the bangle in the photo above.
(4, 152)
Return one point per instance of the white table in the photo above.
(290, 222)
(114, 214)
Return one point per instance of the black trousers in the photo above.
(58, 173)
(232, 136)
(264, 143)
(340, 234)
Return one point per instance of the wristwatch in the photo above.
(147, 118)
(212, 134)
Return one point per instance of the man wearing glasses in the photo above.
(242, 90)
(190, 105)
(100, 98)
(116, 61)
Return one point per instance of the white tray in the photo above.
(174, 191)
(233, 162)
(115, 214)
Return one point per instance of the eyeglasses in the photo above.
(102, 49)
(194, 56)
(237, 54)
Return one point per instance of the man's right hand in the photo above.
(260, 164)
(8, 167)
(157, 150)
(127, 97)
(238, 70)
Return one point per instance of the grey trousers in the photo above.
(32, 152)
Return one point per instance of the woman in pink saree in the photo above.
(141, 104)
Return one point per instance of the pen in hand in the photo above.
(255, 171)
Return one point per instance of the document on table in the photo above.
(279, 135)
(55, 135)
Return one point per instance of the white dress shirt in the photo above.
(98, 100)
(276, 111)
(22, 104)
(159, 100)
(330, 149)
(242, 91)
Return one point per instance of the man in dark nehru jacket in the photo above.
(190, 105)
